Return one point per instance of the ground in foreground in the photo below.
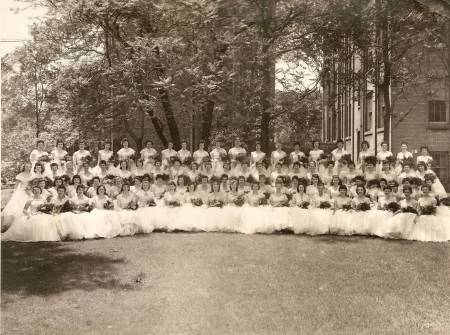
(212, 283)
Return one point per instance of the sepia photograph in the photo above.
(225, 167)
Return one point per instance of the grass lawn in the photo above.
(212, 283)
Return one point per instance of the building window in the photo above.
(368, 112)
(441, 167)
(437, 111)
(329, 125)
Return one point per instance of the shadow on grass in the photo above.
(47, 268)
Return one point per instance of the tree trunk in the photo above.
(208, 110)
(167, 106)
(36, 103)
(159, 128)
(387, 72)
(170, 117)
(267, 92)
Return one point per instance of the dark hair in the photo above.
(53, 164)
(76, 176)
(340, 141)
(102, 162)
(387, 187)
(148, 141)
(37, 186)
(201, 142)
(124, 140)
(125, 183)
(407, 187)
(366, 143)
(59, 141)
(296, 163)
(81, 186)
(38, 164)
(425, 185)
(214, 181)
(61, 187)
(343, 187)
(172, 184)
(404, 142)
(361, 186)
(39, 141)
(98, 187)
(296, 143)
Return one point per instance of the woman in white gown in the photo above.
(364, 153)
(255, 216)
(236, 152)
(200, 155)
(193, 173)
(125, 153)
(74, 225)
(124, 171)
(37, 154)
(428, 227)
(217, 155)
(342, 220)
(106, 153)
(127, 204)
(58, 155)
(278, 154)
(257, 155)
(139, 169)
(316, 152)
(33, 225)
(159, 187)
(184, 154)
(402, 222)
(14, 207)
(148, 152)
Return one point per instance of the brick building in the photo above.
(353, 109)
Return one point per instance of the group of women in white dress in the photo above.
(80, 196)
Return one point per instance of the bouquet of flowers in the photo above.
(239, 201)
(409, 209)
(151, 203)
(87, 159)
(83, 208)
(132, 205)
(364, 206)
(64, 208)
(108, 205)
(304, 204)
(174, 204)
(392, 207)
(263, 201)
(428, 210)
(324, 205)
(45, 208)
(215, 203)
(197, 202)
(346, 207)
(44, 159)
(283, 203)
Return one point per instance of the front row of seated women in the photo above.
(103, 210)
